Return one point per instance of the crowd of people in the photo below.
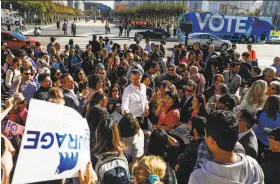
(153, 117)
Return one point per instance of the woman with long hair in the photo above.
(198, 62)
(105, 57)
(168, 112)
(81, 78)
(273, 88)
(109, 148)
(198, 108)
(268, 117)
(95, 83)
(115, 93)
(99, 98)
(56, 73)
(255, 98)
(146, 79)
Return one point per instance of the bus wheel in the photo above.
(250, 39)
(242, 39)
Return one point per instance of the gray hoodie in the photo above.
(246, 171)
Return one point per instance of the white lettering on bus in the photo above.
(239, 26)
(200, 22)
(230, 18)
(211, 25)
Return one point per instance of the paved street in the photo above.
(265, 52)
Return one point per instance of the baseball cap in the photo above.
(273, 132)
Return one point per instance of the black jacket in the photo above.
(260, 77)
(185, 106)
(245, 72)
(271, 168)
(41, 94)
(187, 161)
(250, 144)
(95, 46)
(209, 92)
(173, 79)
(181, 83)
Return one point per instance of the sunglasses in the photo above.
(22, 102)
(171, 70)
(189, 90)
(58, 73)
(115, 90)
(28, 74)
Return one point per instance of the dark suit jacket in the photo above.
(41, 94)
(71, 100)
(185, 106)
(209, 92)
(205, 56)
(250, 144)
(260, 77)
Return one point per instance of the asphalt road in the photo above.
(265, 52)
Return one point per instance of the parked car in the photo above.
(152, 33)
(206, 38)
(15, 40)
(116, 21)
(274, 39)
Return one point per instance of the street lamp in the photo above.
(277, 21)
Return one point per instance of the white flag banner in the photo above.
(55, 144)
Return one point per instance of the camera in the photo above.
(221, 62)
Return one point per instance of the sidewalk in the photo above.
(30, 28)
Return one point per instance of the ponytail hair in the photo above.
(150, 169)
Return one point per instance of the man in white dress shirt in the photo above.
(134, 99)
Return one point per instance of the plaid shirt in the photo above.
(204, 154)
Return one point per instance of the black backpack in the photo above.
(112, 169)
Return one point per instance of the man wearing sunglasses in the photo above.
(186, 102)
(25, 84)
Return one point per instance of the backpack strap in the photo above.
(104, 159)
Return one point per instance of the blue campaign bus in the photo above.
(229, 27)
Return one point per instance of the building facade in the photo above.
(230, 6)
(270, 8)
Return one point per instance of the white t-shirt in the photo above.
(136, 143)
